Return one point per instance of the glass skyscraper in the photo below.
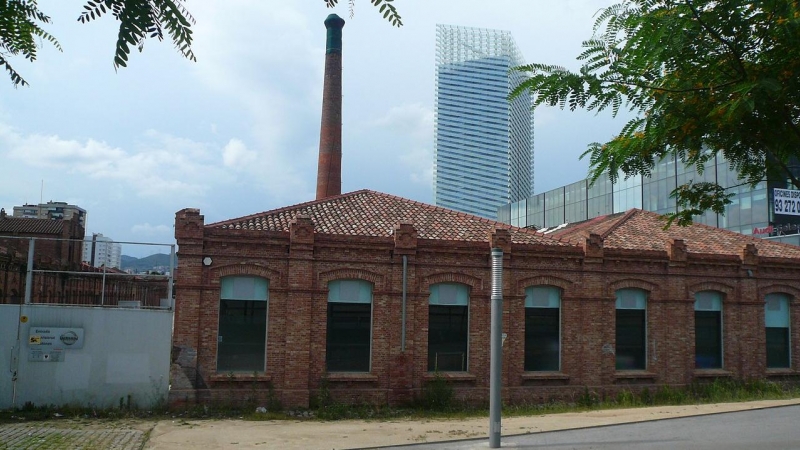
(483, 144)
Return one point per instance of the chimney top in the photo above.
(334, 25)
(334, 21)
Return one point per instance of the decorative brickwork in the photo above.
(367, 235)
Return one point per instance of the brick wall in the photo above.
(300, 263)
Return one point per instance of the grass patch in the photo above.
(436, 401)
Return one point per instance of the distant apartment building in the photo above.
(483, 144)
(99, 251)
(51, 210)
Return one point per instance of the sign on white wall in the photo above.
(47, 338)
(787, 202)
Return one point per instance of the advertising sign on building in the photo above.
(46, 338)
(787, 202)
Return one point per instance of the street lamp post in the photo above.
(496, 356)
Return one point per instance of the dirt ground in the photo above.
(349, 434)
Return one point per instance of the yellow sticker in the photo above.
(35, 340)
(23, 319)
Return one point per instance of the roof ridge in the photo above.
(619, 222)
(287, 208)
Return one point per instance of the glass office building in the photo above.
(483, 144)
(751, 211)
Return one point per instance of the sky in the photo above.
(237, 132)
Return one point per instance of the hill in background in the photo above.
(157, 262)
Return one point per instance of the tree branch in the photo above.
(719, 37)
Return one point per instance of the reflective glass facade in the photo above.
(750, 212)
(483, 144)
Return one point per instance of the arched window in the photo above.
(776, 316)
(542, 328)
(242, 338)
(349, 334)
(708, 330)
(631, 329)
(448, 327)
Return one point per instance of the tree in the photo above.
(21, 25)
(18, 33)
(703, 78)
(385, 7)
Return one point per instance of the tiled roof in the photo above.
(30, 226)
(644, 230)
(370, 213)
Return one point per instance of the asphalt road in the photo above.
(765, 429)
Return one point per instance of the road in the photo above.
(765, 429)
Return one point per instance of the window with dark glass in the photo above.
(776, 316)
(542, 328)
(349, 326)
(631, 329)
(242, 336)
(448, 327)
(708, 330)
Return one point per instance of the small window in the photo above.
(242, 336)
(448, 327)
(631, 329)
(708, 330)
(542, 328)
(777, 320)
(349, 326)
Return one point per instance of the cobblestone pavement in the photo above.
(41, 436)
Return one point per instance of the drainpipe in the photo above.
(405, 290)
(496, 348)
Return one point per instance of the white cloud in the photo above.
(410, 127)
(157, 166)
(236, 155)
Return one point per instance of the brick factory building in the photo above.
(371, 296)
(319, 290)
(61, 277)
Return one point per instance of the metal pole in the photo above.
(171, 275)
(496, 356)
(29, 274)
(103, 293)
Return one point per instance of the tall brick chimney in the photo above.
(329, 170)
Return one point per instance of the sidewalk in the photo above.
(350, 434)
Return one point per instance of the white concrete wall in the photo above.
(126, 352)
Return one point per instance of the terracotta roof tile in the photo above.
(30, 226)
(644, 230)
(370, 213)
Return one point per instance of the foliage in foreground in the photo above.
(703, 77)
(21, 24)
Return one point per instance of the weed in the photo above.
(588, 399)
(437, 394)
(626, 399)
(273, 401)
